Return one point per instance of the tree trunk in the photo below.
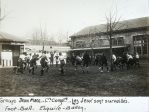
(111, 62)
(110, 36)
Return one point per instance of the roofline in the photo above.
(126, 29)
(5, 38)
(8, 41)
(115, 32)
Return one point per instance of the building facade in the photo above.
(132, 36)
(10, 49)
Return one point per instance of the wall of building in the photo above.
(90, 41)
(128, 39)
(102, 41)
(15, 49)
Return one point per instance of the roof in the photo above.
(122, 25)
(5, 37)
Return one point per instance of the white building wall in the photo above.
(128, 40)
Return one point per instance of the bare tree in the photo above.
(41, 37)
(35, 38)
(91, 44)
(62, 37)
(112, 25)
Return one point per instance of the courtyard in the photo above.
(133, 82)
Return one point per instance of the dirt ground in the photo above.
(132, 82)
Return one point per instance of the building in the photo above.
(130, 36)
(10, 49)
(47, 48)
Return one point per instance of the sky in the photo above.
(64, 17)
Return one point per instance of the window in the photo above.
(137, 41)
(80, 44)
(119, 41)
(114, 41)
(141, 43)
(103, 42)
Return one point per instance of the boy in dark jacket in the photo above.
(104, 62)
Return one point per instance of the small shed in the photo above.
(10, 49)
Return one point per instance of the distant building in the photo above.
(10, 49)
(130, 36)
(47, 48)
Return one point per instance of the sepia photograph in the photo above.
(74, 48)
